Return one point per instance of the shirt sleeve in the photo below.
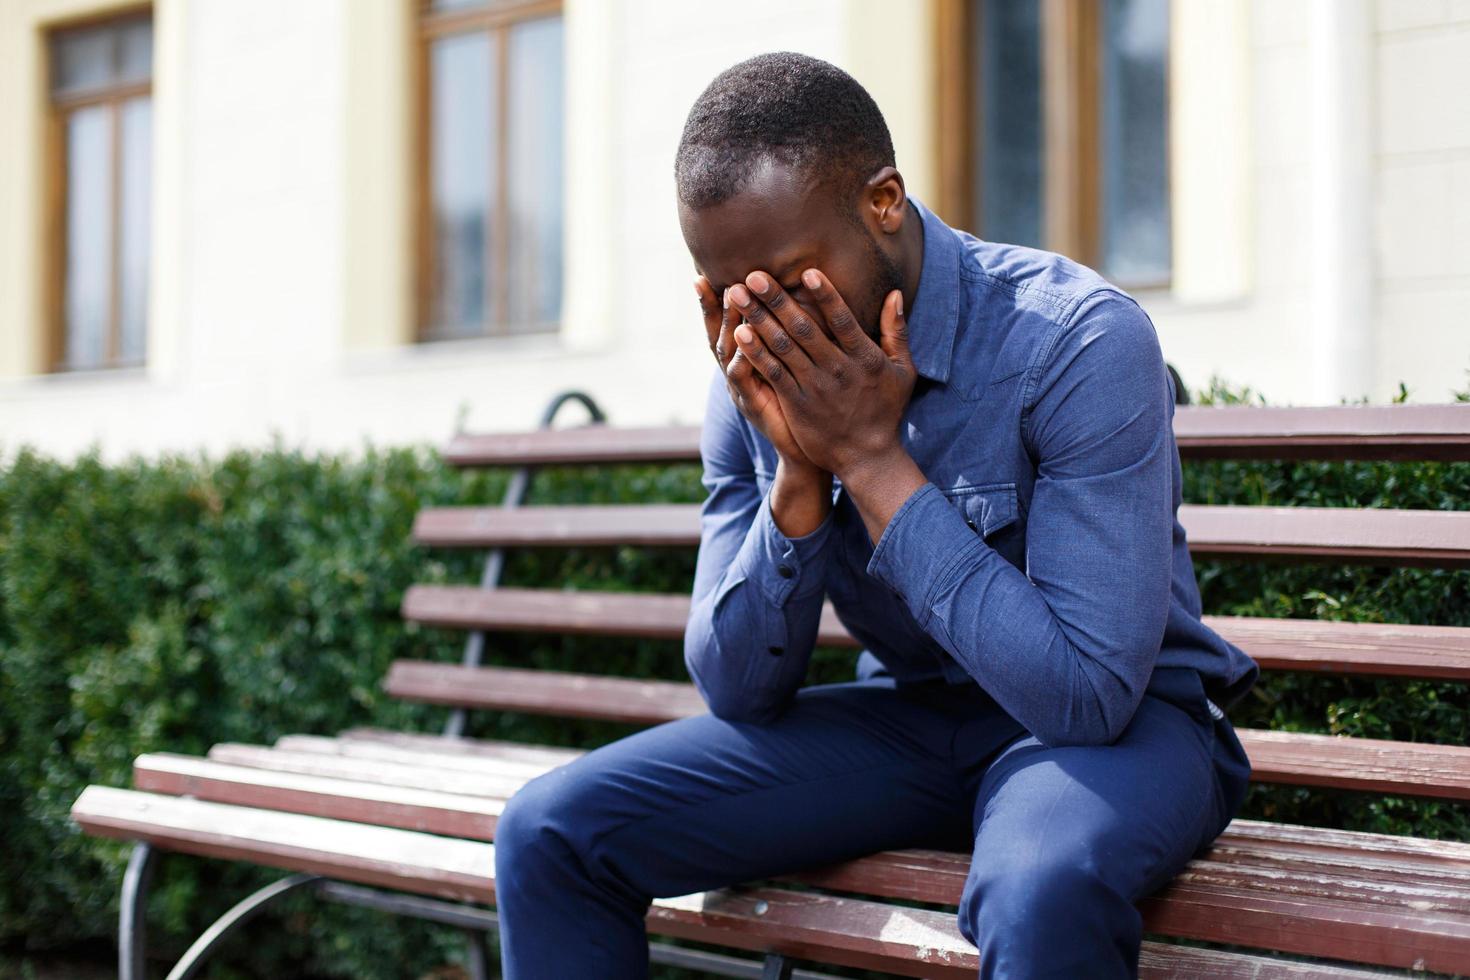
(757, 593)
(1066, 647)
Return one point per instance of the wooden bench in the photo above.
(405, 822)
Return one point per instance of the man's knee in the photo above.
(525, 830)
(1056, 904)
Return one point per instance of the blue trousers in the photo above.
(1063, 840)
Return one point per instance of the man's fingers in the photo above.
(709, 305)
(776, 342)
(797, 322)
(894, 327)
(845, 328)
(760, 357)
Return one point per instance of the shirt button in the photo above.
(776, 650)
(785, 570)
(971, 521)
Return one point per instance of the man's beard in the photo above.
(886, 277)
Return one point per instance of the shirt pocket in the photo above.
(992, 511)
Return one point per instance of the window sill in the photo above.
(460, 352)
(30, 384)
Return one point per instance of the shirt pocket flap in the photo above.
(987, 508)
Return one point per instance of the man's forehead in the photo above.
(777, 221)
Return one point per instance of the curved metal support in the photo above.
(243, 911)
(515, 493)
(132, 933)
(561, 399)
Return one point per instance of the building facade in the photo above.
(224, 221)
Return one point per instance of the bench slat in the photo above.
(1403, 432)
(590, 444)
(1367, 765)
(489, 757)
(384, 802)
(399, 772)
(1417, 432)
(1411, 768)
(1369, 536)
(1277, 644)
(1211, 900)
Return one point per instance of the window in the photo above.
(490, 168)
(101, 154)
(1054, 129)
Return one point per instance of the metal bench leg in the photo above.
(131, 927)
(479, 955)
(242, 912)
(777, 967)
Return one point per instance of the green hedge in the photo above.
(175, 603)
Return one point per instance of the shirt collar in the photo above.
(934, 310)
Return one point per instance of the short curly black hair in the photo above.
(805, 112)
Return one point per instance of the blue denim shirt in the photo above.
(1043, 558)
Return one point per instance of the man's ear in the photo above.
(885, 200)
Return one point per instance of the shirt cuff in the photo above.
(784, 566)
(924, 539)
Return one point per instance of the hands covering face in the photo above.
(828, 398)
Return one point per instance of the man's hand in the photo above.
(842, 398)
(801, 495)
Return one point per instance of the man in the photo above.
(968, 447)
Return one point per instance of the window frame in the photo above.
(1071, 66)
(59, 107)
(495, 17)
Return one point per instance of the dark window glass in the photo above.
(1135, 206)
(1009, 124)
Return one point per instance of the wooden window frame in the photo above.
(1071, 67)
(59, 108)
(495, 17)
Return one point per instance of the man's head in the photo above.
(786, 164)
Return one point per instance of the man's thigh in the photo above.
(1089, 828)
(849, 768)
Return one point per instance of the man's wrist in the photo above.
(801, 497)
(880, 482)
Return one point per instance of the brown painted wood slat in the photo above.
(1310, 885)
(670, 525)
(1370, 536)
(543, 691)
(1404, 432)
(1419, 432)
(1410, 768)
(478, 755)
(380, 799)
(1277, 644)
(402, 772)
(1369, 765)
(1367, 536)
(589, 444)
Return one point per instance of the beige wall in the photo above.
(282, 276)
(1411, 283)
